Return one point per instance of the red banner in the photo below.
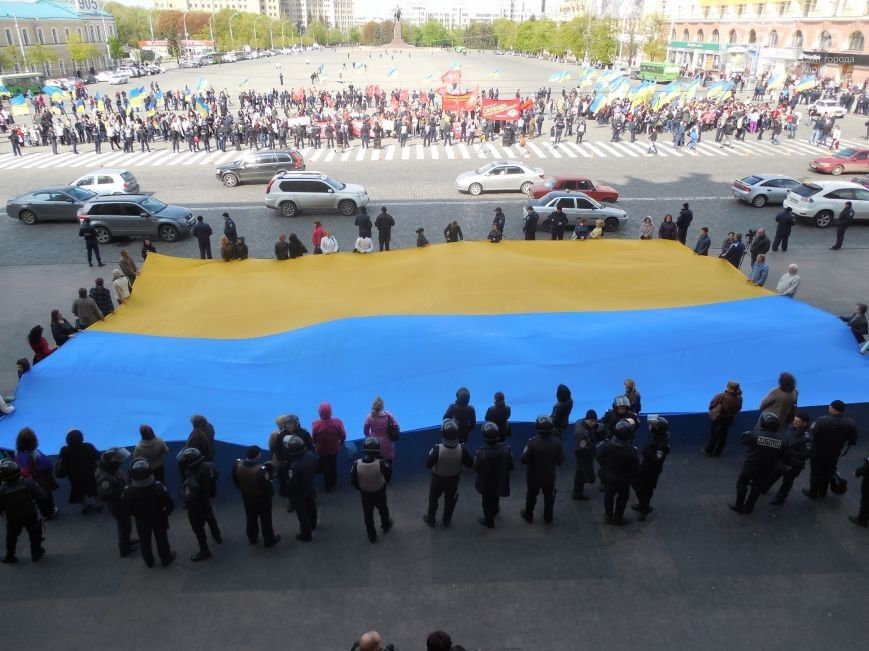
(462, 102)
(452, 77)
(502, 109)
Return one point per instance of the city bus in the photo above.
(658, 71)
(22, 82)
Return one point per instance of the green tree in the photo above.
(116, 48)
(318, 32)
(79, 50)
(432, 34)
(573, 34)
(655, 43)
(505, 31)
(355, 36)
(38, 55)
(8, 57)
(603, 43)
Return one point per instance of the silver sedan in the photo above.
(499, 176)
(761, 189)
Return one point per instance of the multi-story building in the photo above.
(35, 35)
(825, 37)
(334, 13)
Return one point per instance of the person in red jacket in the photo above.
(329, 436)
(39, 344)
(317, 235)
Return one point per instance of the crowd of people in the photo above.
(316, 117)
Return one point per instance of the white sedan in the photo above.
(118, 78)
(499, 176)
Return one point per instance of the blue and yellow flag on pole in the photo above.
(19, 105)
(807, 82)
(244, 83)
(201, 108)
(644, 92)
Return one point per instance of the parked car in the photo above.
(292, 192)
(136, 215)
(499, 176)
(862, 180)
(761, 189)
(828, 106)
(578, 204)
(582, 184)
(55, 203)
(259, 166)
(128, 71)
(821, 202)
(118, 78)
(230, 57)
(844, 160)
(105, 76)
(108, 181)
(189, 63)
(153, 69)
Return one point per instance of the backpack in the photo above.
(19, 505)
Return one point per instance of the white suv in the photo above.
(821, 202)
(292, 192)
(828, 106)
(108, 181)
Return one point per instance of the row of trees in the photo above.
(38, 55)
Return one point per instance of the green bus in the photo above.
(23, 82)
(658, 71)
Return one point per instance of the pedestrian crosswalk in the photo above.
(162, 156)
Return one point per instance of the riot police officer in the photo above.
(618, 463)
(197, 479)
(542, 454)
(19, 498)
(831, 434)
(561, 409)
(301, 471)
(653, 456)
(621, 410)
(150, 504)
(445, 461)
(111, 482)
(492, 463)
(370, 475)
(587, 433)
(800, 445)
(767, 451)
(254, 480)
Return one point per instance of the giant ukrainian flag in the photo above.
(244, 341)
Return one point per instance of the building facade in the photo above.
(334, 13)
(35, 36)
(751, 37)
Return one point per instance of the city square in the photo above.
(693, 574)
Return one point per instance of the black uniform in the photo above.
(800, 446)
(111, 482)
(500, 415)
(255, 484)
(150, 505)
(831, 433)
(301, 471)
(619, 463)
(89, 233)
(493, 463)
(767, 452)
(542, 454)
(683, 221)
(196, 490)
(370, 475)
(653, 456)
(586, 437)
(557, 222)
(463, 413)
(18, 501)
(561, 410)
(863, 516)
(202, 233)
(445, 461)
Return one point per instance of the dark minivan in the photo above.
(259, 165)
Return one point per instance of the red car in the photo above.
(602, 193)
(845, 160)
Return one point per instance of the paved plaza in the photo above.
(694, 576)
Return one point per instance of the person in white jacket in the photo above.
(363, 245)
(789, 282)
(329, 244)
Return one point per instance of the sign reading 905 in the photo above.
(88, 5)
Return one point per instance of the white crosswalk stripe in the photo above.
(536, 150)
(553, 151)
(405, 153)
(435, 152)
(346, 155)
(361, 154)
(463, 150)
(375, 154)
(390, 152)
(420, 152)
(625, 146)
(610, 149)
(580, 149)
(330, 154)
(317, 154)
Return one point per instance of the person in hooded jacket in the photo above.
(328, 435)
(301, 471)
(19, 498)
(35, 465)
(150, 504)
(363, 222)
(781, 400)
(652, 459)
(445, 460)
(79, 463)
(723, 409)
(633, 396)
(370, 475)
(463, 413)
(197, 478)
(296, 248)
(766, 455)
(111, 481)
(493, 463)
(587, 434)
(561, 410)
(499, 413)
(152, 449)
(619, 463)
(542, 454)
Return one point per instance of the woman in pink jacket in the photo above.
(328, 435)
(377, 425)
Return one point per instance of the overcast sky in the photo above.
(362, 7)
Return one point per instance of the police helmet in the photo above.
(450, 430)
(140, 473)
(543, 425)
(621, 401)
(624, 430)
(294, 445)
(491, 432)
(190, 457)
(9, 470)
(659, 425)
(769, 421)
(115, 455)
(371, 445)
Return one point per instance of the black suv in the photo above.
(136, 215)
(256, 165)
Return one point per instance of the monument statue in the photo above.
(397, 14)
(397, 40)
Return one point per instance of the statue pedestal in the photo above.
(397, 41)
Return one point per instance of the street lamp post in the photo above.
(211, 29)
(256, 20)
(231, 37)
(151, 26)
(271, 34)
(186, 35)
